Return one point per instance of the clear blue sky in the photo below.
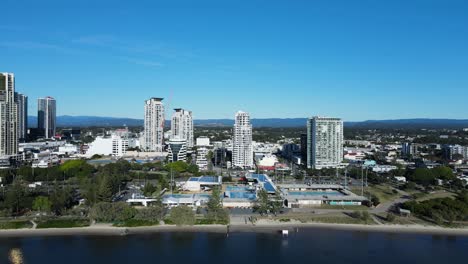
(357, 60)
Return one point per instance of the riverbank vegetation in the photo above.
(63, 223)
(15, 224)
(442, 211)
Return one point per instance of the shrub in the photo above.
(375, 200)
(110, 212)
(15, 225)
(182, 216)
(356, 214)
(154, 213)
(63, 223)
(365, 216)
(136, 223)
(391, 217)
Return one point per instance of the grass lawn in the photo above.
(15, 225)
(63, 223)
(384, 192)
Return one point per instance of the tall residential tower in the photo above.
(154, 125)
(324, 142)
(182, 126)
(242, 149)
(22, 101)
(8, 116)
(46, 116)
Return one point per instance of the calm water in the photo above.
(308, 246)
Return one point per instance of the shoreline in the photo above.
(107, 230)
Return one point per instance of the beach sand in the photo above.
(264, 227)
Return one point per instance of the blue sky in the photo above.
(357, 60)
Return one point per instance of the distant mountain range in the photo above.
(87, 121)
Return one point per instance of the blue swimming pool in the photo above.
(240, 192)
(236, 188)
(177, 196)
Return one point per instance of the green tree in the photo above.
(61, 199)
(14, 197)
(391, 217)
(111, 212)
(375, 200)
(216, 212)
(163, 182)
(153, 213)
(365, 216)
(178, 166)
(104, 191)
(182, 216)
(444, 173)
(42, 204)
(262, 205)
(193, 169)
(149, 189)
(276, 203)
(425, 177)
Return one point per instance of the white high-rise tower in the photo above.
(8, 116)
(154, 125)
(182, 126)
(242, 149)
(46, 116)
(324, 142)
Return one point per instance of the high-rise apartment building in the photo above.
(8, 116)
(22, 102)
(182, 126)
(46, 116)
(154, 125)
(324, 142)
(242, 149)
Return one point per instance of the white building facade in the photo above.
(182, 126)
(46, 116)
(154, 125)
(203, 148)
(177, 149)
(8, 116)
(111, 146)
(324, 142)
(242, 149)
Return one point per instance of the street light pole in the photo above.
(362, 181)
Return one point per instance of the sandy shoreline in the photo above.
(107, 230)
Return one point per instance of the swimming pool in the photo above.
(178, 195)
(240, 192)
(312, 193)
(236, 188)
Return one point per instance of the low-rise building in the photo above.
(196, 184)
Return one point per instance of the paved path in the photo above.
(385, 207)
